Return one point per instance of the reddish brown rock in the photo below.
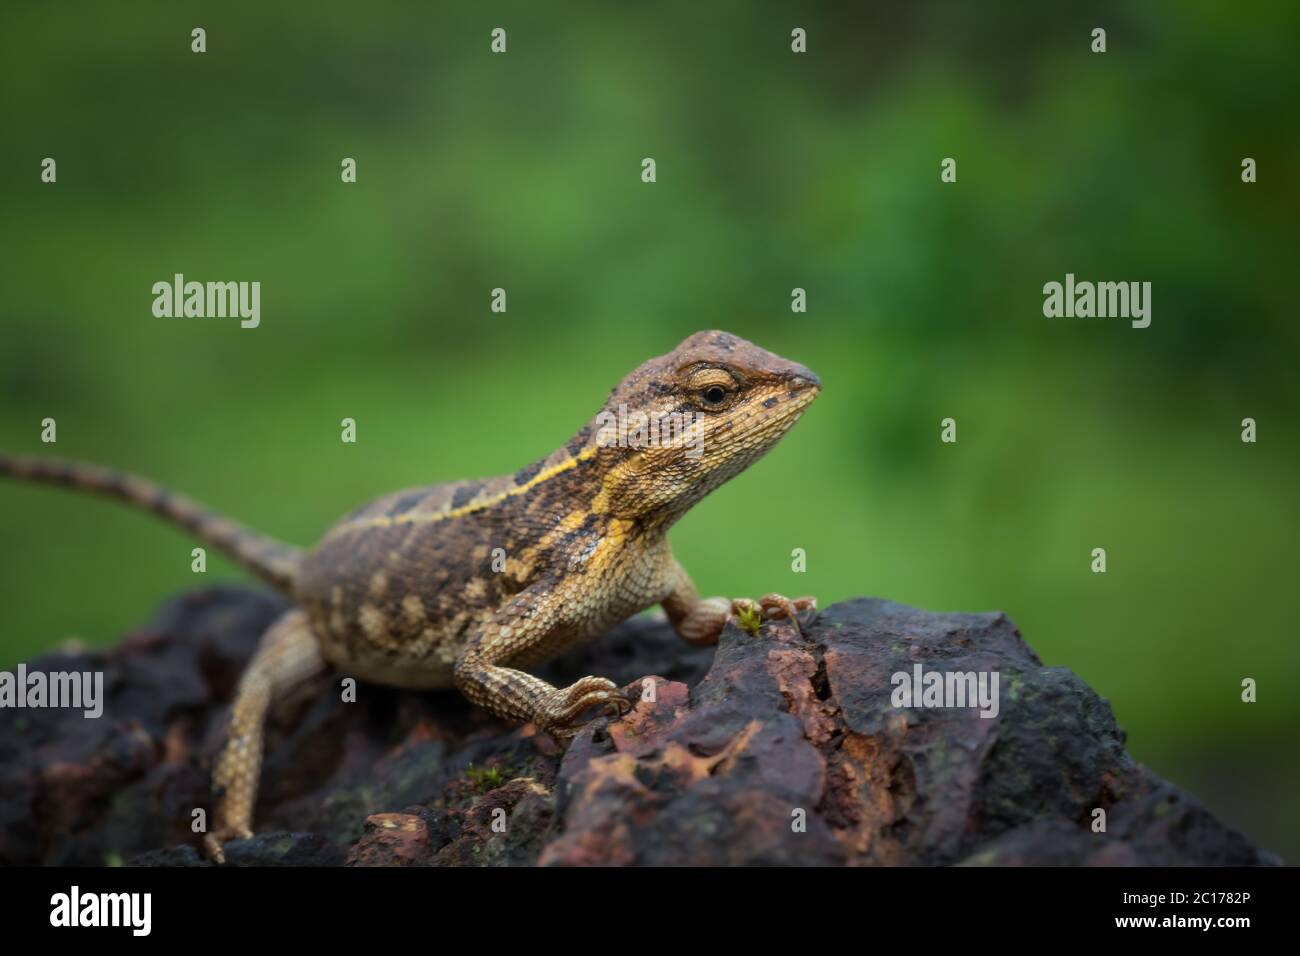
(392, 839)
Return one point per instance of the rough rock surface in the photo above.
(783, 748)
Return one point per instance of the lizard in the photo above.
(468, 584)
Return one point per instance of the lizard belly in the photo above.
(356, 660)
(375, 646)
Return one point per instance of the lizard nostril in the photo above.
(801, 378)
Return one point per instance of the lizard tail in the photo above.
(273, 561)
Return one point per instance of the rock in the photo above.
(393, 839)
(781, 748)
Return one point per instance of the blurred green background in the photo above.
(775, 170)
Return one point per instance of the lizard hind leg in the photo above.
(287, 656)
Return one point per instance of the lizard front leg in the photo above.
(700, 621)
(287, 655)
(526, 627)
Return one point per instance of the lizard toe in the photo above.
(569, 703)
(215, 843)
(619, 704)
(780, 607)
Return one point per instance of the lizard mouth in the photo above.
(801, 399)
(788, 413)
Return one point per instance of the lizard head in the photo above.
(683, 423)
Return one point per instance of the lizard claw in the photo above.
(214, 843)
(561, 717)
(619, 704)
(777, 607)
(750, 615)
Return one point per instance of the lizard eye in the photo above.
(711, 386)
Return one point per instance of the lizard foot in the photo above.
(777, 607)
(214, 843)
(770, 607)
(560, 716)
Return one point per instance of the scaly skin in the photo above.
(469, 584)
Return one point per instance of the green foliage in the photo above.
(483, 779)
(750, 619)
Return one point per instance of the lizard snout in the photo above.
(801, 377)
